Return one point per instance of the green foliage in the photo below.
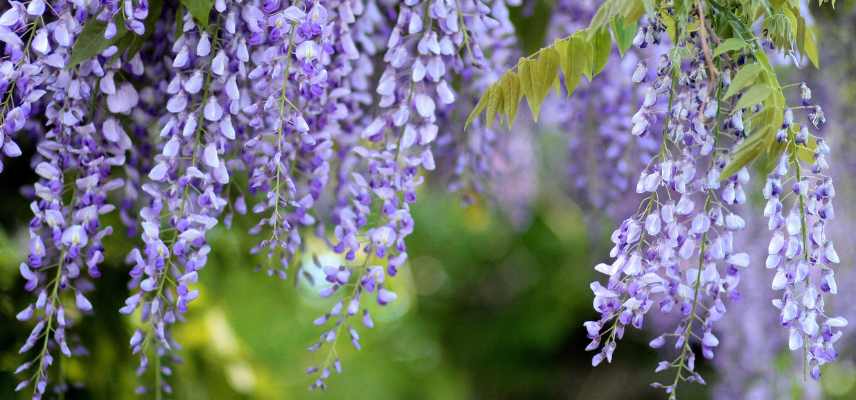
(728, 45)
(624, 32)
(585, 53)
(200, 10)
(92, 42)
(743, 78)
(132, 44)
(531, 23)
(754, 95)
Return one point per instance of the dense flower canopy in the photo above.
(322, 118)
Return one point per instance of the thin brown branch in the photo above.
(705, 47)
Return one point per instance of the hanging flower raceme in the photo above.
(719, 111)
(23, 64)
(800, 250)
(289, 155)
(76, 156)
(677, 253)
(186, 183)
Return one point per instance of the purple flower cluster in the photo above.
(184, 187)
(676, 254)
(801, 251)
(77, 153)
(286, 96)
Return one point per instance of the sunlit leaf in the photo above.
(624, 33)
(730, 44)
(511, 94)
(601, 46)
(744, 77)
(745, 152)
(754, 95)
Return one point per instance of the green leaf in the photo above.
(91, 41)
(480, 106)
(624, 32)
(525, 69)
(200, 10)
(511, 94)
(603, 15)
(584, 53)
(805, 152)
(810, 48)
(743, 78)
(768, 161)
(669, 23)
(746, 152)
(730, 44)
(649, 6)
(575, 55)
(494, 105)
(601, 45)
(754, 95)
(536, 78)
(632, 10)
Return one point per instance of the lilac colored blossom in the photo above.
(802, 253)
(677, 253)
(185, 185)
(74, 163)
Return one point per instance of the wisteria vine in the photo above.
(321, 119)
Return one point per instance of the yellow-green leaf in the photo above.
(754, 95)
(480, 106)
(624, 30)
(510, 85)
(742, 79)
(526, 70)
(806, 152)
(601, 45)
(730, 44)
(574, 58)
(810, 47)
(494, 105)
(632, 10)
(669, 23)
(745, 153)
(537, 76)
(770, 158)
(200, 10)
(603, 15)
